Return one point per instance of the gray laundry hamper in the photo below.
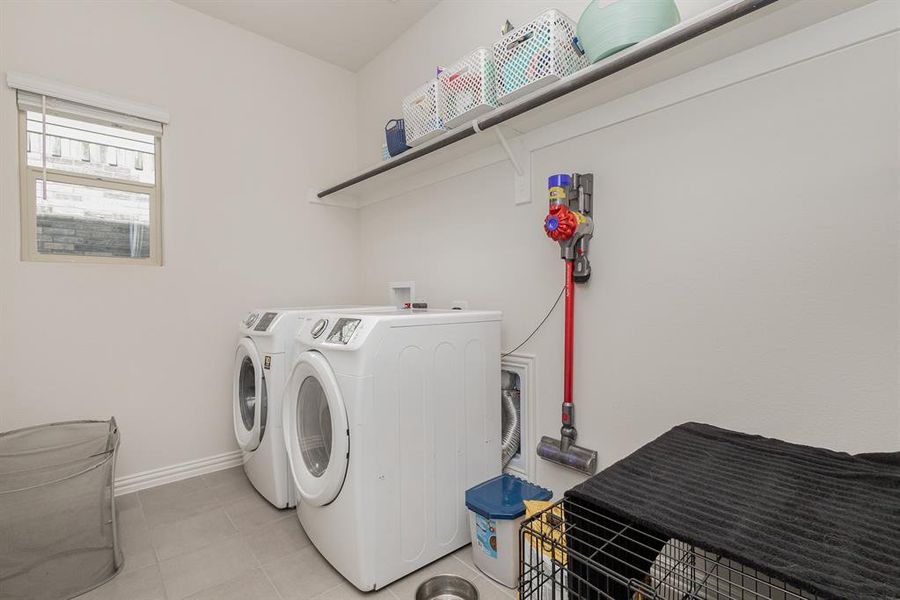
(57, 510)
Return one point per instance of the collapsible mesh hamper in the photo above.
(536, 54)
(57, 510)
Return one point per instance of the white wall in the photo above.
(745, 255)
(253, 124)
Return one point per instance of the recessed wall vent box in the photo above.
(517, 373)
(402, 293)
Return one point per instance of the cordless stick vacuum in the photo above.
(569, 222)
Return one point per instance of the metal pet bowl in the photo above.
(447, 587)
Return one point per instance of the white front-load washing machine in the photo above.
(261, 364)
(388, 419)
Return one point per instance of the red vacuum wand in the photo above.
(569, 223)
(570, 335)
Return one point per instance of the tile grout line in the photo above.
(156, 564)
(502, 589)
(228, 537)
(238, 533)
(150, 541)
(334, 587)
(266, 573)
(272, 583)
(150, 536)
(219, 505)
(231, 579)
(471, 568)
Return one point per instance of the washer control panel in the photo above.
(343, 331)
(264, 321)
(334, 331)
(319, 328)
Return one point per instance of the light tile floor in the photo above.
(214, 538)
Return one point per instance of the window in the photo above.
(90, 183)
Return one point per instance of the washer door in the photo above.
(316, 432)
(250, 396)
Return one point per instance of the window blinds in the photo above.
(30, 101)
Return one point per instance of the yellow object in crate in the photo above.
(548, 537)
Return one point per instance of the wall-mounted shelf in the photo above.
(729, 28)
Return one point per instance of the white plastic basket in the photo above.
(467, 88)
(421, 114)
(536, 54)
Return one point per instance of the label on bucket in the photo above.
(486, 535)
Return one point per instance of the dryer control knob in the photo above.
(319, 328)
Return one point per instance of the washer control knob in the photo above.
(319, 328)
(250, 319)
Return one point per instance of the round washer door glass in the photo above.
(316, 430)
(249, 396)
(247, 393)
(314, 426)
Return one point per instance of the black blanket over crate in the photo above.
(824, 521)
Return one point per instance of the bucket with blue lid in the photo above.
(496, 511)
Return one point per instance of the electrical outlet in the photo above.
(523, 189)
(459, 305)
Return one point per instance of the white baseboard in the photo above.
(185, 470)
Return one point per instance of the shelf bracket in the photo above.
(520, 160)
(509, 152)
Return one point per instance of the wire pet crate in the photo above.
(57, 509)
(536, 54)
(572, 552)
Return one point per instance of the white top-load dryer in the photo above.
(388, 419)
(261, 365)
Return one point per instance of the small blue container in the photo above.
(395, 135)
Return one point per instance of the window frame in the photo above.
(30, 175)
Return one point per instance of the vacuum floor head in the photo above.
(573, 456)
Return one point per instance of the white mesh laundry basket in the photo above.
(421, 114)
(57, 510)
(536, 54)
(467, 88)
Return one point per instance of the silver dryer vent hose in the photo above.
(510, 424)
